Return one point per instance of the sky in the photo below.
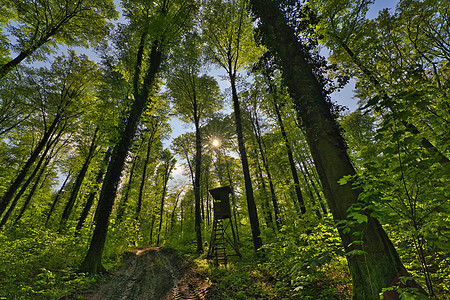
(344, 97)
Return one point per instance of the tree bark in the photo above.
(93, 261)
(197, 178)
(251, 206)
(144, 171)
(15, 184)
(32, 191)
(379, 266)
(93, 193)
(77, 185)
(298, 191)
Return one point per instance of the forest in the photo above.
(326, 202)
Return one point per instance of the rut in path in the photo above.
(154, 273)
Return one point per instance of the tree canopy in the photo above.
(100, 156)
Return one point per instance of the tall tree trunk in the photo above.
(267, 211)
(233, 198)
(93, 261)
(172, 218)
(197, 178)
(313, 199)
(144, 172)
(32, 191)
(251, 206)
(15, 184)
(152, 223)
(311, 179)
(298, 191)
(379, 266)
(208, 206)
(163, 196)
(124, 199)
(22, 190)
(93, 193)
(78, 181)
(181, 219)
(262, 150)
(57, 196)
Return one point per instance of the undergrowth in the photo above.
(38, 263)
(302, 261)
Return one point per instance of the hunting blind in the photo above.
(221, 241)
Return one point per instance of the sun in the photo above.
(216, 143)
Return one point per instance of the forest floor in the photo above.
(163, 274)
(151, 273)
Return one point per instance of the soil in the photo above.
(153, 273)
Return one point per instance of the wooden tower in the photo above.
(221, 241)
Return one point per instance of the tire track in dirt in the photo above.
(154, 273)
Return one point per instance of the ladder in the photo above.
(218, 243)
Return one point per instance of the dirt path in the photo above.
(154, 273)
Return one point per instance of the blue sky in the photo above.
(344, 97)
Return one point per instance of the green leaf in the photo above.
(360, 218)
(344, 180)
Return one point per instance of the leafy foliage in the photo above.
(59, 119)
(40, 263)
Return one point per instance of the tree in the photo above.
(275, 99)
(42, 24)
(14, 108)
(122, 205)
(56, 197)
(254, 111)
(398, 60)
(44, 160)
(167, 164)
(66, 89)
(162, 22)
(379, 266)
(155, 131)
(407, 62)
(228, 34)
(79, 180)
(90, 199)
(193, 97)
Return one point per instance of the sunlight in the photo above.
(216, 143)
